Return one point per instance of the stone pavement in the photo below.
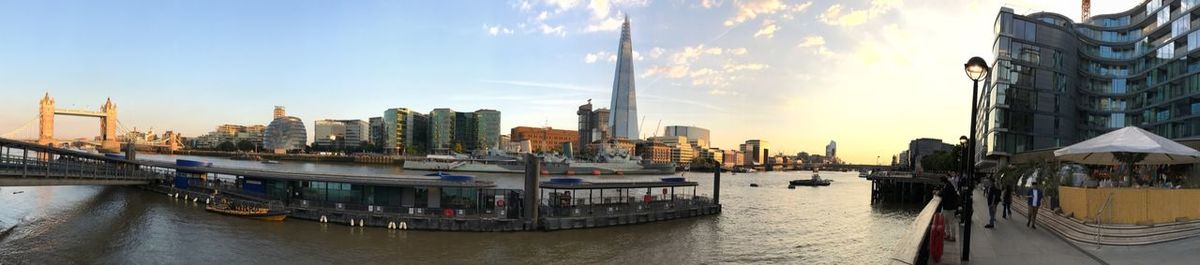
(1010, 242)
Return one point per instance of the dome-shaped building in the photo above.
(285, 134)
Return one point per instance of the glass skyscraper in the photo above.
(1055, 82)
(624, 95)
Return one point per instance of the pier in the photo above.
(903, 187)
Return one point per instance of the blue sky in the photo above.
(869, 74)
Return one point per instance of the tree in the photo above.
(227, 146)
(245, 145)
(458, 148)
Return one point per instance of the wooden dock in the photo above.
(903, 187)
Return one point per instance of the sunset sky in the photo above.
(871, 75)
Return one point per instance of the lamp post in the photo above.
(976, 69)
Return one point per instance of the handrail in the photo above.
(1107, 203)
(911, 246)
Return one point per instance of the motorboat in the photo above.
(815, 180)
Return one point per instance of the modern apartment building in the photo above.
(1055, 82)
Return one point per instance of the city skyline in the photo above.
(189, 68)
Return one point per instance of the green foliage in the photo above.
(227, 146)
(942, 160)
(245, 145)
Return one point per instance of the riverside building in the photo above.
(1055, 81)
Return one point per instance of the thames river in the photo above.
(766, 224)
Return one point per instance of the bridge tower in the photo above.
(173, 142)
(108, 127)
(107, 115)
(46, 120)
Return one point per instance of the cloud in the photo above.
(497, 30)
(563, 5)
(768, 29)
(706, 4)
(607, 24)
(732, 67)
(812, 41)
(750, 9)
(835, 17)
(658, 52)
(556, 30)
(738, 51)
(817, 44)
(599, 8)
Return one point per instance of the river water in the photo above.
(760, 225)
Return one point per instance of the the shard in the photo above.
(624, 96)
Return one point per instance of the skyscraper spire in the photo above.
(624, 96)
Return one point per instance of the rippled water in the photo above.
(767, 224)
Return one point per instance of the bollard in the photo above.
(403, 226)
(323, 220)
(194, 200)
(351, 221)
(362, 222)
(391, 225)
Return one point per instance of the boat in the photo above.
(607, 162)
(246, 157)
(270, 162)
(254, 212)
(863, 173)
(814, 181)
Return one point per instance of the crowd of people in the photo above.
(997, 195)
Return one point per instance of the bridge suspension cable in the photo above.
(27, 125)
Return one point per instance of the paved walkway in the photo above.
(1010, 242)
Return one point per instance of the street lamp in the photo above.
(976, 69)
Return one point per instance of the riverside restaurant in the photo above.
(445, 202)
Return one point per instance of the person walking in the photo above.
(1035, 201)
(949, 204)
(993, 198)
(1007, 201)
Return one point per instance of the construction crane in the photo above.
(1086, 10)
(656, 126)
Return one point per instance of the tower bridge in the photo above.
(107, 115)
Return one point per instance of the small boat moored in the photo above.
(226, 207)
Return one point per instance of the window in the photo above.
(1166, 51)
(1152, 6)
(1164, 15)
(1118, 85)
(1179, 26)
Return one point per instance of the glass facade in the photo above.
(285, 133)
(1054, 84)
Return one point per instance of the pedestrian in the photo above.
(1007, 201)
(1035, 201)
(949, 205)
(993, 198)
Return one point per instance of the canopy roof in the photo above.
(1103, 149)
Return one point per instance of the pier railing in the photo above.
(624, 207)
(913, 248)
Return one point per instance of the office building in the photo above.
(339, 133)
(376, 130)
(623, 122)
(543, 139)
(755, 151)
(405, 131)
(919, 148)
(693, 134)
(593, 124)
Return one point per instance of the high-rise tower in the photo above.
(624, 96)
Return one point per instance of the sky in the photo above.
(869, 74)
